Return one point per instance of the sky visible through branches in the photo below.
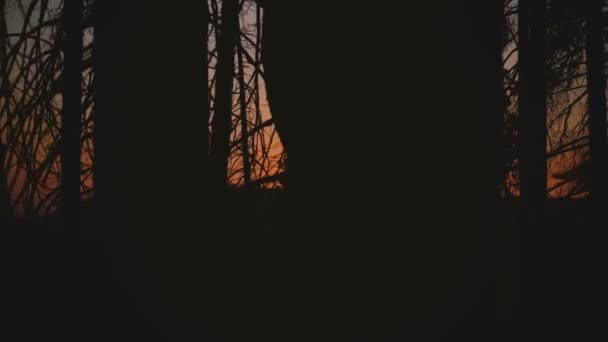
(31, 115)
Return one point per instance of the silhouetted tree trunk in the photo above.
(5, 210)
(72, 25)
(222, 118)
(273, 46)
(151, 122)
(3, 58)
(102, 65)
(496, 29)
(366, 127)
(258, 44)
(489, 28)
(206, 20)
(532, 116)
(244, 129)
(596, 89)
(532, 107)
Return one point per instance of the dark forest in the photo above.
(273, 170)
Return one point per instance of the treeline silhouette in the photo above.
(232, 170)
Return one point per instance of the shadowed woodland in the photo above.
(234, 170)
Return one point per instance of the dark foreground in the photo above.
(550, 282)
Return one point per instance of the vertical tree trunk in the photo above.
(533, 116)
(489, 32)
(490, 29)
(272, 46)
(222, 119)
(258, 43)
(102, 111)
(5, 210)
(596, 89)
(151, 123)
(497, 30)
(244, 129)
(256, 74)
(72, 109)
(532, 107)
(344, 118)
(3, 58)
(205, 75)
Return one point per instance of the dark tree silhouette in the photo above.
(71, 146)
(3, 51)
(336, 82)
(205, 22)
(387, 228)
(596, 88)
(489, 27)
(532, 107)
(243, 117)
(103, 111)
(5, 208)
(222, 120)
(151, 118)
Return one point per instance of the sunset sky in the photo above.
(18, 173)
(18, 170)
